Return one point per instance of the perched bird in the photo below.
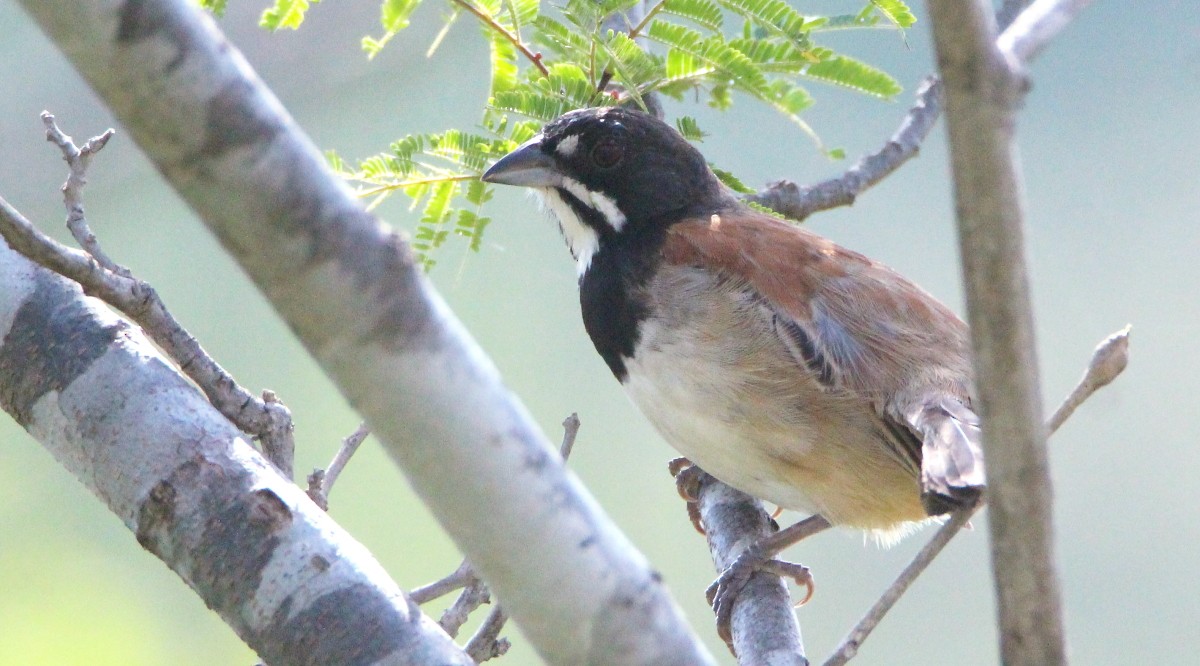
(784, 365)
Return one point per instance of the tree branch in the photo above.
(350, 290)
(321, 481)
(1108, 361)
(267, 419)
(491, 23)
(115, 413)
(797, 203)
(486, 643)
(848, 648)
(763, 625)
(77, 160)
(983, 91)
(1038, 26)
(1035, 27)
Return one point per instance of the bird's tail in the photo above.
(952, 474)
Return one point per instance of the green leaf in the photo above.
(470, 225)
(630, 64)
(683, 65)
(336, 163)
(504, 62)
(846, 21)
(719, 97)
(394, 17)
(531, 104)
(850, 73)
(896, 12)
(788, 97)
(437, 209)
(285, 14)
(775, 55)
(701, 12)
(217, 7)
(568, 44)
(689, 128)
(774, 15)
(713, 51)
(768, 211)
(731, 181)
(394, 14)
(521, 13)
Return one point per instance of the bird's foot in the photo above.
(688, 478)
(725, 589)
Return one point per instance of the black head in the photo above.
(614, 169)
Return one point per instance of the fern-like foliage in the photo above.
(217, 7)
(285, 14)
(548, 59)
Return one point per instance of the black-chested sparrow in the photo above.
(787, 366)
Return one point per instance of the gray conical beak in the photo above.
(527, 166)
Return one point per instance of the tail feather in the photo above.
(952, 472)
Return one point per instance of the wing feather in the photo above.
(856, 325)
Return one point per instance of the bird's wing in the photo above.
(857, 326)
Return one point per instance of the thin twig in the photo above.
(77, 160)
(636, 30)
(1035, 27)
(266, 418)
(1009, 11)
(1108, 361)
(461, 577)
(486, 643)
(570, 430)
(472, 596)
(490, 22)
(849, 647)
(321, 481)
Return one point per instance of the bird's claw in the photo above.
(724, 591)
(688, 478)
(795, 572)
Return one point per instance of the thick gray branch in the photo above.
(349, 289)
(97, 394)
(983, 90)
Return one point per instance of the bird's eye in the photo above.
(607, 154)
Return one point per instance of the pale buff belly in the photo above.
(734, 402)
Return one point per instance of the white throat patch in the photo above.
(582, 239)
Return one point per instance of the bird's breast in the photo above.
(707, 368)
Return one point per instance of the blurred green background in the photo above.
(1109, 142)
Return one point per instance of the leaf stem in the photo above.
(637, 29)
(491, 22)
(434, 180)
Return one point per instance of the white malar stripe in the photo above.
(608, 208)
(567, 146)
(582, 240)
(598, 201)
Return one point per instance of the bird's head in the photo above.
(612, 171)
